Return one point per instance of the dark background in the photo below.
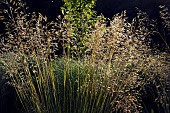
(51, 8)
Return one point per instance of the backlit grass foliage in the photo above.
(111, 75)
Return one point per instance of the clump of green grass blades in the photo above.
(111, 75)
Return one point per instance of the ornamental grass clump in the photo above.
(109, 74)
(43, 84)
(26, 55)
(128, 62)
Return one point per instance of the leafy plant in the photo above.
(79, 17)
